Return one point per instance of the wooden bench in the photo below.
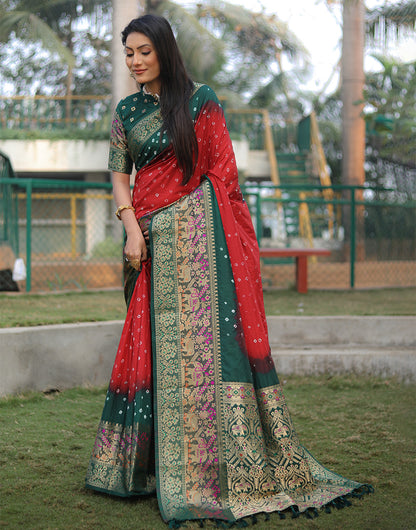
(301, 255)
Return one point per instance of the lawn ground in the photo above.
(33, 310)
(363, 428)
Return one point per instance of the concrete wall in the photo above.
(76, 155)
(58, 155)
(374, 331)
(374, 346)
(62, 356)
(44, 357)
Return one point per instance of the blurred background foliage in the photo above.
(62, 47)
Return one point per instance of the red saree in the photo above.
(194, 408)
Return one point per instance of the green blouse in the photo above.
(136, 128)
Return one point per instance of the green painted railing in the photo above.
(349, 202)
(356, 211)
(93, 113)
(28, 187)
(8, 206)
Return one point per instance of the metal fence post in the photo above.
(29, 235)
(73, 226)
(6, 194)
(352, 238)
(16, 224)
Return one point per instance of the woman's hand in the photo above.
(135, 249)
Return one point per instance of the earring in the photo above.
(132, 75)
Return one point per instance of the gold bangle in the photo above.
(124, 207)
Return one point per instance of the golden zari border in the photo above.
(120, 460)
(188, 359)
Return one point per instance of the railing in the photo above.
(8, 206)
(84, 111)
(363, 220)
(70, 238)
(55, 112)
(63, 222)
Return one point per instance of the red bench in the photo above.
(301, 255)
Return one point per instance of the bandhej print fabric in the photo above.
(194, 409)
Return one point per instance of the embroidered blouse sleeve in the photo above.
(119, 156)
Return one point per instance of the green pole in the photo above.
(258, 218)
(16, 224)
(6, 194)
(29, 236)
(352, 239)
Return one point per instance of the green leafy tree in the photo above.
(238, 52)
(390, 117)
(391, 127)
(70, 31)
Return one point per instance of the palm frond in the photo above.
(28, 26)
(396, 18)
(257, 32)
(266, 94)
(202, 52)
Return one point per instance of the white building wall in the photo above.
(77, 155)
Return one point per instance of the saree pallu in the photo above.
(189, 413)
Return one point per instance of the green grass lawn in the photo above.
(363, 428)
(32, 310)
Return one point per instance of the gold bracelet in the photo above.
(124, 207)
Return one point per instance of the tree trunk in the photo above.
(123, 12)
(353, 127)
(122, 83)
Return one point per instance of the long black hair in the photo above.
(176, 89)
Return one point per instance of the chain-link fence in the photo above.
(372, 242)
(68, 235)
(70, 239)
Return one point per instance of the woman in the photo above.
(194, 408)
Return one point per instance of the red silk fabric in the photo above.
(158, 185)
(132, 370)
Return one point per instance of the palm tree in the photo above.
(397, 17)
(354, 29)
(50, 22)
(213, 37)
(352, 72)
(376, 24)
(200, 49)
(123, 12)
(358, 23)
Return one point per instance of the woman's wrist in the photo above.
(132, 229)
(122, 208)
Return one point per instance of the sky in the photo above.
(319, 29)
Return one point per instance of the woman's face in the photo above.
(142, 61)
